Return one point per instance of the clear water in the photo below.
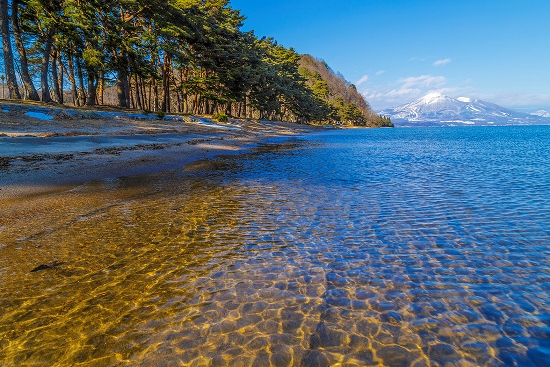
(392, 247)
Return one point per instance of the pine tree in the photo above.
(8, 51)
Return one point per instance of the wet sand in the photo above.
(44, 149)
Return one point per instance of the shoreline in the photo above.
(49, 151)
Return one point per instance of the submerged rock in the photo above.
(47, 266)
(314, 358)
(391, 317)
(396, 356)
(443, 353)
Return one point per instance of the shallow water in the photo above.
(396, 247)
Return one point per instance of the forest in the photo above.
(167, 56)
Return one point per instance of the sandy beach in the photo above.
(59, 165)
(45, 148)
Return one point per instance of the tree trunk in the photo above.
(229, 109)
(101, 87)
(166, 83)
(73, 80)
(30, 90)
(127, 89)
(155, 96)
(8, 53)
(143, 93)
(150, 94)
(179, 101)
(132, 103)
(185, 108)
(81, 90)
(46, 66)
(197, 104)
(61, 83)
(122, 88)
(138, 90)
(92, 87)
(56, 88)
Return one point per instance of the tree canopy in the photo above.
(174, 56)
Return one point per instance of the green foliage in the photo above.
(92, 57)
(161, 114)
(342, 103)
(349, 113)
(220, 117)
(383, 121)
(189, 55)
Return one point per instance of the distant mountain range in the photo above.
(435, 109)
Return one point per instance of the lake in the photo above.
(362, 247)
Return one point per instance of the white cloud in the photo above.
(363, 80)
(408, 89)
(403, 92)
(442, 62)
(378, 73)
(422, 81)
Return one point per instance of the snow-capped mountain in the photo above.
(541, 113)
(437, 109)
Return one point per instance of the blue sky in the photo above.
(398, 50)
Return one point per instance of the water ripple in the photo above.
(405, 247)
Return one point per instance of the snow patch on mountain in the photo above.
(432, 98)
(541, 113)
(437, 109)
